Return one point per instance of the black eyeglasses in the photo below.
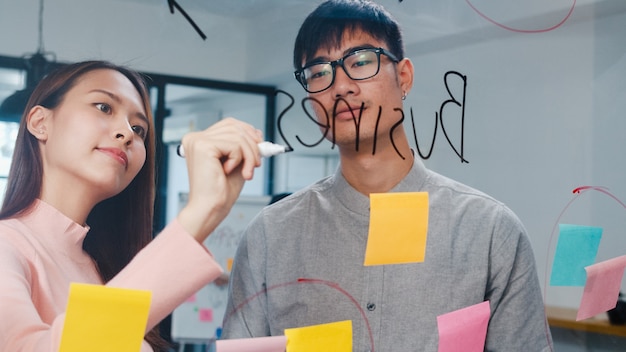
(358, 65)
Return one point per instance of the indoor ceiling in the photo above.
(248, 8)
(421, 21)
(237, 8)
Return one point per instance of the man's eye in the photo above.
(360, 60)
(361, 63)
(140, 131)
(105, 108)
(319, 74)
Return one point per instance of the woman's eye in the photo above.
(140, 131)
(105, 108)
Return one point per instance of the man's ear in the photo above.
(37, 121)
(405, 75)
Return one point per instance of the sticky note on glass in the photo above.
(336, 337)
(229, 264)
(464, 329)
(398, 228)
(205, 315)
(191, 299)
(255, 344)
(577, 248)
(100, 318)
(602, 287)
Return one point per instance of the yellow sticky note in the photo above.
(398, 228)
(229, 264)
(100, 318)
(336, 337)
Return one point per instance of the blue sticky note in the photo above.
(577, 248)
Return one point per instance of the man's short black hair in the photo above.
(325, 26)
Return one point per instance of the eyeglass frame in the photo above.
(339, 62)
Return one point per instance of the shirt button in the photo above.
(371, 306)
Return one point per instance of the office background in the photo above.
(523, 100)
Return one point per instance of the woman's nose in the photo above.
(124, 131)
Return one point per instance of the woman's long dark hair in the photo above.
(119, 226)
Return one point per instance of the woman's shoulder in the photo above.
(15, 237)
(10, 228)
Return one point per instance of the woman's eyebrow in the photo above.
(106, 92)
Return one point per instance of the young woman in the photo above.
(80, 196)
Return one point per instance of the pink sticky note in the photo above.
(205, 314)
(464, 329)
(191, 299)
(255, 344)
(604, 280)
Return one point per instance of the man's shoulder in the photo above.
(437, 183)
(447, 192)
(315, 190)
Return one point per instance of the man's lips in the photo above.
(116, 154)
(348, 113)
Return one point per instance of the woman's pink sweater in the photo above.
(41, 254)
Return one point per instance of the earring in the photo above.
(403, 95)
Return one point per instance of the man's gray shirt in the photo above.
(300, 263)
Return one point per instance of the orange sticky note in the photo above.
(336, 337)
(100, 318)
(229, 264)
(398, 228)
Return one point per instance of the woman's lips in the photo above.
(116, 154)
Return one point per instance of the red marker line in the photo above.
(523, 30)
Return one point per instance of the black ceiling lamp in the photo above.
(36, 65)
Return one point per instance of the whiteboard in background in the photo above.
(200, 317)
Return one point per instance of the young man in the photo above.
(301, 261)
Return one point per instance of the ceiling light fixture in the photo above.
(37, 65)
